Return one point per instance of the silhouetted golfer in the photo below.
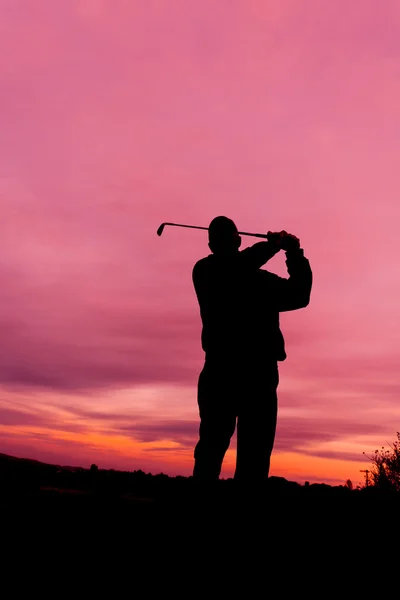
(241, 337)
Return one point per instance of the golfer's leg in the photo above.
(217, 425)
(256, 427)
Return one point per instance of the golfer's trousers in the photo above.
(242, 395)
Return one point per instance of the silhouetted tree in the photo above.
(385, 471)
(349, 484)
(94, 468)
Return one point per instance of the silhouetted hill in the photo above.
(68, 507)
(20, 476)
(27, 475)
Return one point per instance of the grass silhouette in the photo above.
(143, 523)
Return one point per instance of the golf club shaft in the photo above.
(161, 228)
(258, 235)
(189, 226)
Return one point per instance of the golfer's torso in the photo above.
(237, 310)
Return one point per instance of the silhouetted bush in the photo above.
(385, 471)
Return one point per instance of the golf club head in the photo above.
(161, 228)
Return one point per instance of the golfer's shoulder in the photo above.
(201, 267)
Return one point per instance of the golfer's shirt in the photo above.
(240, 305)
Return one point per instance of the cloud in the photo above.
(16, 417)
(185, 433)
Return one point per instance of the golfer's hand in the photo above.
(282, 240)
(289, 242)
(275, 239)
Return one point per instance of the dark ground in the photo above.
(79, 518)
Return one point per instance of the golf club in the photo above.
(161, 229)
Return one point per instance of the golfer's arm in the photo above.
(294, 292)
(199, 283)
(257, 255)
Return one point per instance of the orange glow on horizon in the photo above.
(180, 461)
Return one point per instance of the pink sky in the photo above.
(117, 115)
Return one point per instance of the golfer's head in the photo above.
(223, 236)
